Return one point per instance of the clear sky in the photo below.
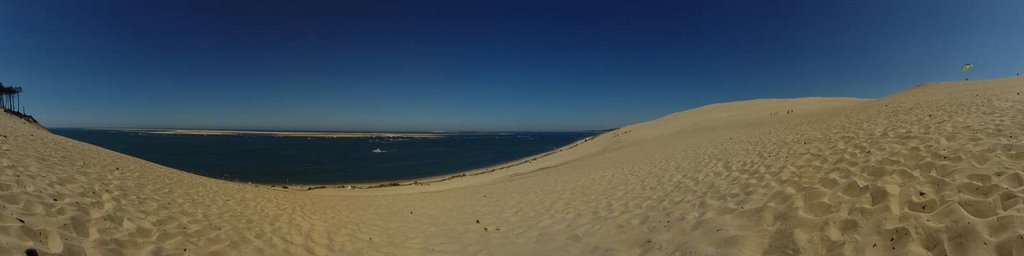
(477, 65)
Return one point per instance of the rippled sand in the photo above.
(934, 170)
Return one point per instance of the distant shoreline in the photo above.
(288, 134)
(428, 180)
(388, 182)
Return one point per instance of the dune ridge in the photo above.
(937, 169)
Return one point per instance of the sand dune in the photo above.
(935, 170)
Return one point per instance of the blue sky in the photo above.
(476, 65)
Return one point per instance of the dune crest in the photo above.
(934, 170)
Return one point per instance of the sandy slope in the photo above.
(936, 169)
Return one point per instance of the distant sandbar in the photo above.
(288, 134)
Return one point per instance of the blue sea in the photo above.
(317, 160)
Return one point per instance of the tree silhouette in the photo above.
(10, 98)
(5, 92)
(3, 95)
(16, 91)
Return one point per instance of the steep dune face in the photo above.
(934, 170)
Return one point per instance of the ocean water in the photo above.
(302, 160)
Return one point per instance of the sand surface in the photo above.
(933, 170)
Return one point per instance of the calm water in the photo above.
(298, 160)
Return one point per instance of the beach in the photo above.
(936, 169)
